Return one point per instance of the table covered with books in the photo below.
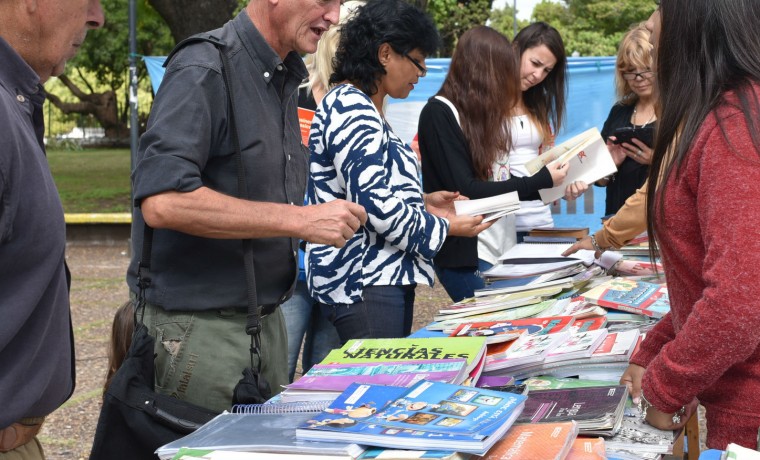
(528, 368)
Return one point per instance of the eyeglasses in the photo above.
(632, 75)
(423, 70)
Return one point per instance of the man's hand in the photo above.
(332, 223)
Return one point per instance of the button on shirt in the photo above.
(188, 145)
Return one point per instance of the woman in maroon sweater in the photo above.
(704, 214)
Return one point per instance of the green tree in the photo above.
(456, 17)
(503, 21)
(96, 77)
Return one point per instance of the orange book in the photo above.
(535, 441)
(304, 119)
(587, 449)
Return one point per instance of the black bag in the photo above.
(135, 420)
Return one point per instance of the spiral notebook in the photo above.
(264, 428)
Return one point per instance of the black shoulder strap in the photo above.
(253, 324)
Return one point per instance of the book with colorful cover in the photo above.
(598, 410)
(359, 351)
(502, 331)
(377, 453)
(545, 441)
(587, 449)
(337, 377)
(305, 117)
(429, 415)
(449, 325)
(631, 295)
(528, 349)
(546, 382)
(474, 305)
(590, 323)
(577, 346)
(617, 346)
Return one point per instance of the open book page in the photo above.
(589, 164)
(564, 151)
(492, 207)
(544, 253)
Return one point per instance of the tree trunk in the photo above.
(188, 17)
(102, 106)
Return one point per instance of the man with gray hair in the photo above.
(36, 339)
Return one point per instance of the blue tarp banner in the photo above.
(591, 94)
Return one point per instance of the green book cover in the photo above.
(545, 382)
(404, 349)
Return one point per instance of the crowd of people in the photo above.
(373, 221)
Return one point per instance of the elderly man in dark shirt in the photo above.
(186, 186)
(36, 341)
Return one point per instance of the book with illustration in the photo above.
(631, 295)
(587, 449)
(545, 441)
(361, 351)
(503, 331)
(587, 156)
(578, 345)
(429, 415)
(597, 410)
(527, 350)
(337, 377)
(450, 325)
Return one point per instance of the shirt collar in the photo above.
(16, 73)
(265, 58)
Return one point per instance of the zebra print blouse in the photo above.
(356, 156)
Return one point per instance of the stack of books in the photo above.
(429, 415)
(400, 362)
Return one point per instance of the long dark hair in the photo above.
(546, 101)
(705, 48)
(483, 83)
(395, 22)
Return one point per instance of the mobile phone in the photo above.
(626, 133)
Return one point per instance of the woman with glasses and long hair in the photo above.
(635, 111)
(366, 288)
(702, 212)
(465, 138)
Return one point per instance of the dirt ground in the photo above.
(98, 288)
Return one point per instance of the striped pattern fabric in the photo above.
(356, 156)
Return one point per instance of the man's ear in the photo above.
(384, 54)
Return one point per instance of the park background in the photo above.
(88, 134)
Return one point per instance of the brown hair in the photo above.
(483, 83)
(121, 338)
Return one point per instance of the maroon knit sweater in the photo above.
(708, 346)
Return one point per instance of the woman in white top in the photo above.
(538, 114)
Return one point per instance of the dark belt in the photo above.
(20, 433)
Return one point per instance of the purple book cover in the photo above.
(579, 404)
(337, 377)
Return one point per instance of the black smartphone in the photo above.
(626, 133)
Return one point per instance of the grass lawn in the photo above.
(92, 180)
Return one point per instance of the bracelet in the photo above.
(595, 244)
(644, 404)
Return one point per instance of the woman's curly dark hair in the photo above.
(395, 22)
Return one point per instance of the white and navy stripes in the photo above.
(355, 156)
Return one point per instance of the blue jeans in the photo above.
(461, 283)
(306, 325)
(384, 312)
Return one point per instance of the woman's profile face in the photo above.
(403, 71)
(536, 64)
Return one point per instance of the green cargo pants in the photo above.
(200, 356)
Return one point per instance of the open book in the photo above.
(587, 156)
(492, 207)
